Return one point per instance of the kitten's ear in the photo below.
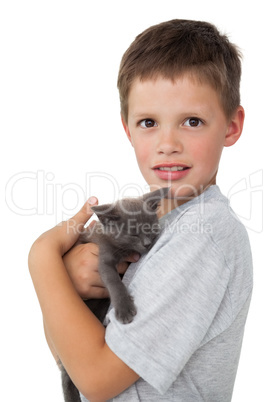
(106, 213)
(152, 199)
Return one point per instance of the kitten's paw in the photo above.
(126, 312)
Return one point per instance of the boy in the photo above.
(180, 105)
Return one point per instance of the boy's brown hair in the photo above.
(176, 47)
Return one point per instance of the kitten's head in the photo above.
(132, 223)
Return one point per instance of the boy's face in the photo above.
(178, 130)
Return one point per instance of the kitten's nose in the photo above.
(146, 242)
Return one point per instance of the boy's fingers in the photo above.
(75, 226)
(135, 257)
(97, 293)
(123, 265)
(85, 212)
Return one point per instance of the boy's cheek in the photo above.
(142, 154)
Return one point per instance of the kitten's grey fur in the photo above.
(127, 226)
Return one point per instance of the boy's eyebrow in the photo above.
(200, 111)
(142, 115)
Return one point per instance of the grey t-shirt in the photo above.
(192, 292)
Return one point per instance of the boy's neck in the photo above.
(168, 204)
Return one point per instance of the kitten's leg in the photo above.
(121, 300)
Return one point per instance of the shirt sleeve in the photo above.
(177, 290)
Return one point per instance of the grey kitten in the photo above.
(127, 226)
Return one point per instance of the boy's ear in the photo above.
(126, 129)
(106, 213)
(235, 127)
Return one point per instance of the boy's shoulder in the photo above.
(207, 229)
(210, 206)
(209, 214)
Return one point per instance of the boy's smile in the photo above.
(178, 130)
(171, 171)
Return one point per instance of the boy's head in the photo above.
(178, 47)
(179, 90)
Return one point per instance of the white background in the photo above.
(60, 124)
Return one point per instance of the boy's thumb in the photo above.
(85, 212)
(86, 209)
(92, 201)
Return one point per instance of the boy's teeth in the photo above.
(171, 169)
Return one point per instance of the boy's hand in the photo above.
(81, 263)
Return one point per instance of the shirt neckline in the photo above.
(211, 192)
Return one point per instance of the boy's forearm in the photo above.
(74, 333)
(50, 345)
(77, 337)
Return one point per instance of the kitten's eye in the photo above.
(193, 122)
(147, 123)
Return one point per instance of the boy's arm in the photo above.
(76, 334)
(50, 345)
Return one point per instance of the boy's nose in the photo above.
(169, 142)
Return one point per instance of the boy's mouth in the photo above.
(171, 171)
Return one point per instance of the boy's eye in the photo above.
(193, 122)
(147, 123)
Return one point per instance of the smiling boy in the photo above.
(178, 130)
(180, 105)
